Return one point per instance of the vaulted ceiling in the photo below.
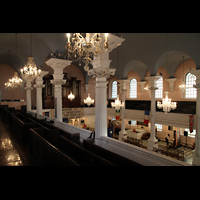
(139, 52)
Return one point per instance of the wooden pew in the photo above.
(108, 155)
(45, 153)
(81, 155)
(21, 127)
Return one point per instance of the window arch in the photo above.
(114, 89)
(133, 88)
(159, 91)
(190, 92)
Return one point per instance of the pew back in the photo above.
(47, 154)
(82, 155)
(108, 155)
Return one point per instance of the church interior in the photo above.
(99, 99)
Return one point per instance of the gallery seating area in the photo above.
(50, 146)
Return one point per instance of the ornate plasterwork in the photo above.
(101, 72)
(58, 82)
(28, 88)
(39, 86)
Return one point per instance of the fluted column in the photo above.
(101, 73)
(28, 89)
(152, 140)
(58, 65)
(39, 85)
(123, 89)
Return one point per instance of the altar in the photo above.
(137, 135)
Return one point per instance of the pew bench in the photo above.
(45, 153)
(108, 155)
(80, 154)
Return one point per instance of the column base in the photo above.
(122, 134)
(196, 159)
(152, 142)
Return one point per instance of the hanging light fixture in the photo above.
(16, 81)
(88, 100)
(30, 71)
(166, 104)
(117, 105)
(86, 47)
(71, 96)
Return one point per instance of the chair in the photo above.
(175, 153)
(140, 143)
(165, 149)
(160, 148)
(169, 152)
(136, 142)
(181, 155)
(155, 149)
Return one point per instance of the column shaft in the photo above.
(101, 108)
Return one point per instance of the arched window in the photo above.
(159, 91)
(190, 92)
(114, 89)
(133, 88)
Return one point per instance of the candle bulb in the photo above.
(106, 37)
(68, 35)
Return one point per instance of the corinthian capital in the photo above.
(101, 72)
(58, 82)
(39, 86)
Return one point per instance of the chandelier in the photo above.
(30, 71)
(166, 104)
(71, 96)
(88, 100)
(9, 85)
(16, 81)
(117, 104)
(86, 47)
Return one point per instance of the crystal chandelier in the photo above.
(117, 104)
(86, 47)
(71, 96)
(30, 71)
(16, 81)
(166, 104)
(9, 85)
(88, 100)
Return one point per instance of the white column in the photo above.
(58, 98)
(152, 140)
(101, 73)
(101, 107)
(58, 65)
(28, 89)
(196, 152)
(39, 85)
(123, 89)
